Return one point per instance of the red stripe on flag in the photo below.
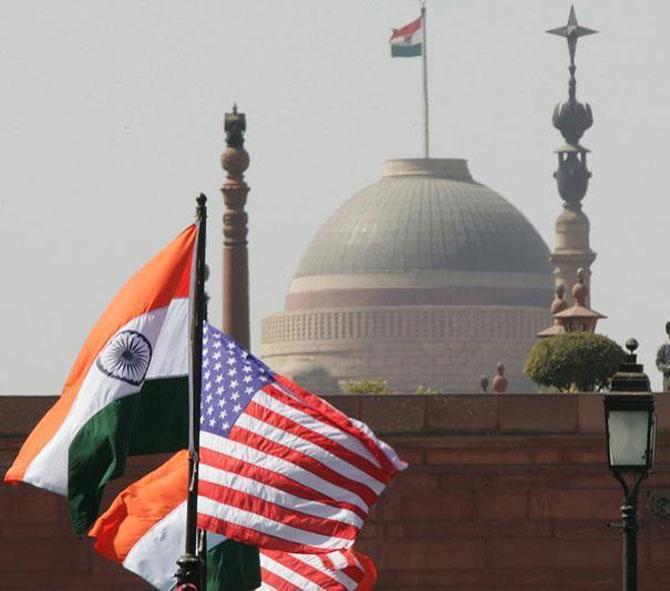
(290, 517)
(305, 570)
(252, 536)
(370, 573)
(353, 572)
(230, 464)
(301, 462)
(322, 411)
(275, 419)
(277, 582)
(328, 562)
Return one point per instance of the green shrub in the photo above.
(367, 387)
(580, 360)
(428, 390)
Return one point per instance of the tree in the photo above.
(584, 360)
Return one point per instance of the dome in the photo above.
(425, 234)
(424, 278)
(425, 214)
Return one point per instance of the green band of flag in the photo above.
(406, 50)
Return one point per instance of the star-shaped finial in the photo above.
(572, 31)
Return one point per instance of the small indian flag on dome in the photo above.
(408, 40)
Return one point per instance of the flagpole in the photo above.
(190, 564)
(424, 53)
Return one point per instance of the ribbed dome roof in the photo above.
(425, 215)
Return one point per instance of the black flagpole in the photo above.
(190, 564)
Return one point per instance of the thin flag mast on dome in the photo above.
(410, 41)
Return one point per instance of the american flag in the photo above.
(336, 571)
(280, 468)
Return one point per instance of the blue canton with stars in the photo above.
(230, 378)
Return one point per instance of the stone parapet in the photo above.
(486, 415)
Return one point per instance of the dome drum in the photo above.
(443, 347)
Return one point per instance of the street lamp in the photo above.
(630, 424)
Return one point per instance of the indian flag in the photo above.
(408, 40)
(145, 528)
(127, 392)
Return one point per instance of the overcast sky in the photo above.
(111, 121)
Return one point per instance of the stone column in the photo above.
(235, 161)
(572, 250)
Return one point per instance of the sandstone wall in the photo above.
(504, 493)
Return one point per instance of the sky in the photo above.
(112, 122)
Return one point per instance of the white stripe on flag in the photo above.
(154, 556)
(414, 39)
(253, 456)
(316, 562)
(306, 447)
(268, 527)
(264, 491)
(290, 575)
(333, 433)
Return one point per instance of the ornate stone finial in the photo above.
(572, 119)
(235, 124)
(559, 304)
(579, 290)
(580, 317)
(235, 160)
(572, 31)
(499, 380)
(483, 384)
(630, 377)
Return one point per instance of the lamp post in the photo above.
(630, 425)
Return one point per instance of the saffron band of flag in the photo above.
(144, 530)
(127, 392)
(280, 468)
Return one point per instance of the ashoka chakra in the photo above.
(126, 357)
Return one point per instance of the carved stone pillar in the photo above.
(235, 161)
(572, 250)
